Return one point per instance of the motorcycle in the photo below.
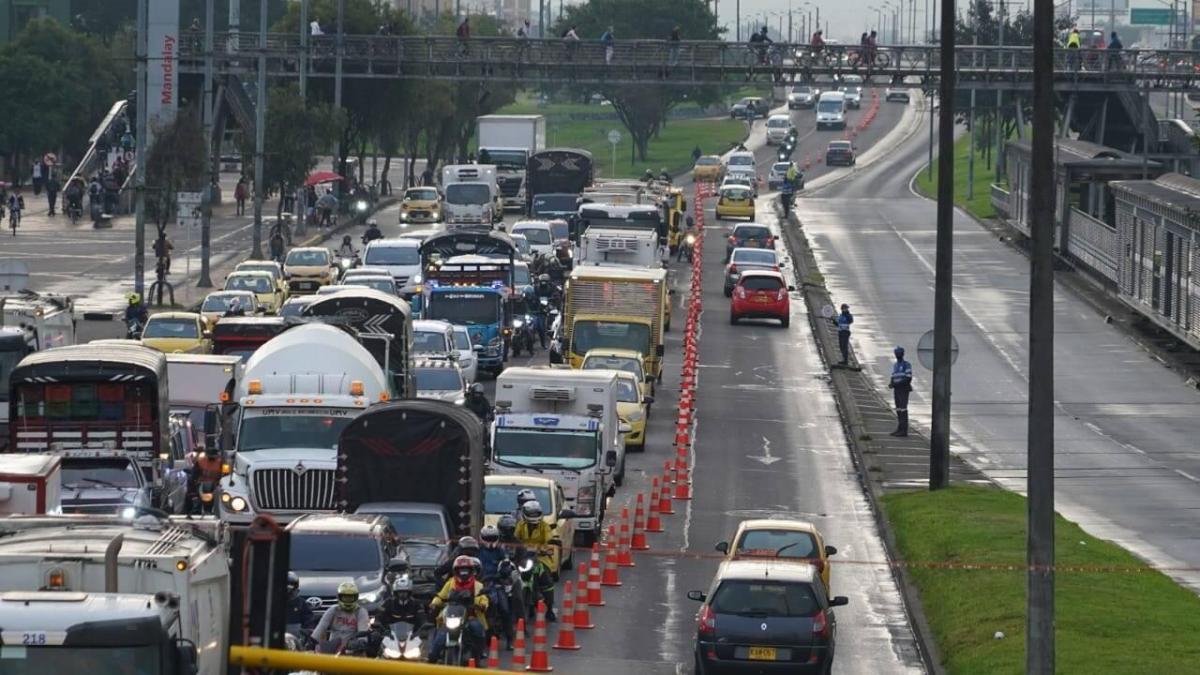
(504, 585)
(531, 569)
(522, 335)
(205, 498)
(689, 246)
(133, 328)
(454, 623)
(402, 642)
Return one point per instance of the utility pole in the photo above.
(208, 113)
(139, 176)
(541, 18)
(943, 308)
(337, 79)
(971, 119)
(304, 31)
(738, 19)
(260, 129)
(1039, 622)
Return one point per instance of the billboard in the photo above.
(162, 72)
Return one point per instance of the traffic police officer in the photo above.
(901, 386)
(843, 325)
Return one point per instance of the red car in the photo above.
(761, 294)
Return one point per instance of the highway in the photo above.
(1127, 465)
(769, 443)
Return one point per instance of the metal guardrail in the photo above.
(683, 63)
(278, 659)
(1000, 200)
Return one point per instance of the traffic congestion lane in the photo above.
(1127, 464)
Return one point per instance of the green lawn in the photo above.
(1107, 622)
(980, 203)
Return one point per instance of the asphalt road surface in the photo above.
(1127, 464)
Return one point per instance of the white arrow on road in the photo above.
(766, 457)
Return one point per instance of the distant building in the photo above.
(15, 14)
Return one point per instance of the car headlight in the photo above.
(517, 323)
(369, 598)
(360, 205)
(412, 653)
(128, 513)
(416, 278)
(460, 401)
(583, 500)
(238, 504)
(404, 215)
(393, 654)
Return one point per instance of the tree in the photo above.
(178, 162)
(643, 109)
(34, 108)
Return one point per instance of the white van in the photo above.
(778, 127)
(402, 260)
(831, 110)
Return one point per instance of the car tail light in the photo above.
(780, 296)
(820, 626)
(751, 202)
(733, 240)
(740, 291)
(771, 241)
(733, 269)
(708, 622)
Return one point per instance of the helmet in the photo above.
(373, 223)
(293, 585)
(402, 587)
(845, 306)
(468, 544)
(464, 567)
(347, 596)
(507, 526)
(544, 278)
(135, 299)
(346, 239)
(764, 30)
(489, 534)
(525, 495)
(531, 512)
(477, 389)
(899, 352)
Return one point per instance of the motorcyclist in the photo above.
(523, 495)
(535, 533)
(206, 470)
(345, 619)
(507, 526)
(135, 310)
(491, 555)
(545, 288)
(346, 250)
(277, 245)
(478, 403)
(401, 605)
(463, 581)
(234, 308)
(73, 195)
(664, 175)
(467, 546)
(298, 611)
(372, 232)
(647, 176)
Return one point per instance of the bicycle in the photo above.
(878, 60)
(763, 55)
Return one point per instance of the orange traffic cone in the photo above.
(493, 659)
(539, 660)
(683, 484)
(639, 526)
(624, 554)
(595, 598)
(518, 657)
(664, 497)
(471, 663)
(654, 524)
(610, 578)
(566, 629)
(583, 617)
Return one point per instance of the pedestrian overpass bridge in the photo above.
(689, 63)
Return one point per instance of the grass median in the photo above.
(1127, 619)
(979, 204)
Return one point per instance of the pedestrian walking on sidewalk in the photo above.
(901, 386)
(843, 325)
(240, 193)
(52, 190)
(16, 204)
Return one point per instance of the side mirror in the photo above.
(691, 222)
(830, 550)
(791, 289)
(660, 350)
(647, 399)
(839, 601)
(723, 547)
(624, 427)
(567, 514)
(698, 596)
(186, 658)
(610, 458)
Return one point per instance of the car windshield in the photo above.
(532, 447)
(219, 303)
(380, 284)
(171, 328)
(294, 307)
(765, 599)
(555, 204)
(829, 106)
(438, 379)
(778, 543)
(307, 258)
(801, 90)
(741, 160)
(753, 232)
(627, 391)
(746, 101)
(535, 235)
(780, 167)
(311, 552)
(430, 341)
(83, 473)
(467, 309)
(422, 194)
(613, 363)
(761, 283)
(290, 428)
(259, 267)
(589, 335)
(504, 159)
(393, 255)
(462, 340)
(424, 525)
(708, 161)
(503, 498)
(778, 122)
(521, 275)
(252, 284)
(468, 193)
(560, 231)
(755, 257)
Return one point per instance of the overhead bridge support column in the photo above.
(1068, 116)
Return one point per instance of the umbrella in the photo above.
(318, 177)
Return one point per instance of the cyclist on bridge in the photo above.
(759, 42)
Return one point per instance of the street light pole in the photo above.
(943, 307)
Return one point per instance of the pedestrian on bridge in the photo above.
(673, 58)
(463, 33)
(1073, 45)
(607, 40)
(901, 386)
(1114, 52)
(843, 322)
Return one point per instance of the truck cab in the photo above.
(507, 141)
(471, 196)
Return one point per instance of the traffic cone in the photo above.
(654, 523)
(611, 577)
(539, 660)
(518, 656)
(595, 598)
(639, 526)
(664, 497)
(471, 663)
(566, 629)
(624, 554)
(583, 617)
(493, 659)
(683, 484)
(681, 457)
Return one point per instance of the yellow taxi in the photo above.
(627, 360)
(175, 332)
(633, 407)
(217, 303)
(500, 498)
(735, 201)
(270, 267)
(308, 268)
(420, 205)
(269, 296)
(707, 168)
(779, 539)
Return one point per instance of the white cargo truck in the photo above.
(102, 595)
(615, 246)
(562, 424)
(30, 484)
(471, 196)
(29, 322)
(297, 394)
(507, 142)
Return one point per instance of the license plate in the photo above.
(752, 243)
(762, 299)
(762, 653)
